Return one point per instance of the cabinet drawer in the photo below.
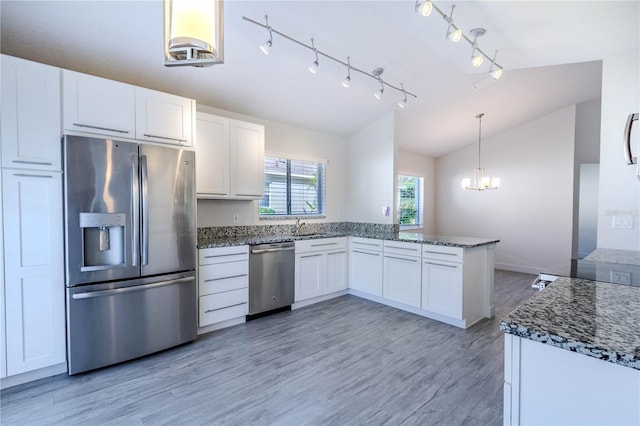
(446, 253)
(223, 306)
(222, 254)
(321, 244)
(402, 248)
(221, 277)
(366, 243)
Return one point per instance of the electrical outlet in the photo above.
(236, 218)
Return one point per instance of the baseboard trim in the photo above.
(220, 325)
(30, 376)
(535, 270)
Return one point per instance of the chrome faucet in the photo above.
(298, 226)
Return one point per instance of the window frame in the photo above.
(418, 196)
(322, 190)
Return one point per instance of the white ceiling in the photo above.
(550, 51)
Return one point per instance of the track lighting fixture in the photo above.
(424, 8)
(402, 102)
(347, 80)
(495, 71)
(455, 34)
(267, 45)
(313, 68)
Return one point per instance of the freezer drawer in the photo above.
(115, 322)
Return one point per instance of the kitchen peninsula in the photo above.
(572, 355)
(446, 278)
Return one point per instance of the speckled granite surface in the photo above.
(600, 320)
(241, 235)
(627, 257)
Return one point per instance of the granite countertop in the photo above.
(465, 242)
(597, 319)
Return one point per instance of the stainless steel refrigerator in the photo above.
(130, 242)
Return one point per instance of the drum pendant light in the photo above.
(193, 32)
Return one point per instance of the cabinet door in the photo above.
(309, 275)
(3, 341)
(97, 105)
(365, 272)
(247, 159)
(164, 118)
(34, 276)
(402, 280)
(30, 127)
(442, 288)
(212, 156)
(336, 271)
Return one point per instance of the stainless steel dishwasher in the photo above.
(271, 278)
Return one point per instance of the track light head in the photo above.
(424, 8)
(267, 45)
(347, 80)
(455, 35)
(495, 70)
(402, 102)
(313, 68)
(476, 57)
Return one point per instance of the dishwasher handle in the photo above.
(272, 250)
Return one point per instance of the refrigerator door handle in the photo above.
(145, 209)
(627, 139)
(101, 293)
(135, 211)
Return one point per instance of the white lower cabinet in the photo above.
(402, 273)
(33, 270)
(223, 284)
(320, 268)
(365, 265)
(442, 288)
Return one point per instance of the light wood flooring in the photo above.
(346, 361)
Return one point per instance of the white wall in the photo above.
(532, 211)
(371, 172)
(414, 164)
(299, 143)
(619, 193)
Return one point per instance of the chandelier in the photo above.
(480, 181)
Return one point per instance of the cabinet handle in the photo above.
(33, 176)
(324, 244)
(225, 278)
(440, 264)
(439, 252)
(100, 128)
(402, 248)
(40, 163)
(164, 137)
(401, 258)
(225, 307)
(223, 255)
(366, 244)
(366, 252)
(311, 255)
(336, 252)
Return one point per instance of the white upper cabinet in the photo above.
(97, 105)
(247, 159)
(30, 125)
(212, 156)
(165, 118)
(229, 158)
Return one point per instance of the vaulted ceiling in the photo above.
(550, 51)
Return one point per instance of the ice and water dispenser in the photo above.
(103, 240)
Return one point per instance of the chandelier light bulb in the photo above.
(466, 183)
